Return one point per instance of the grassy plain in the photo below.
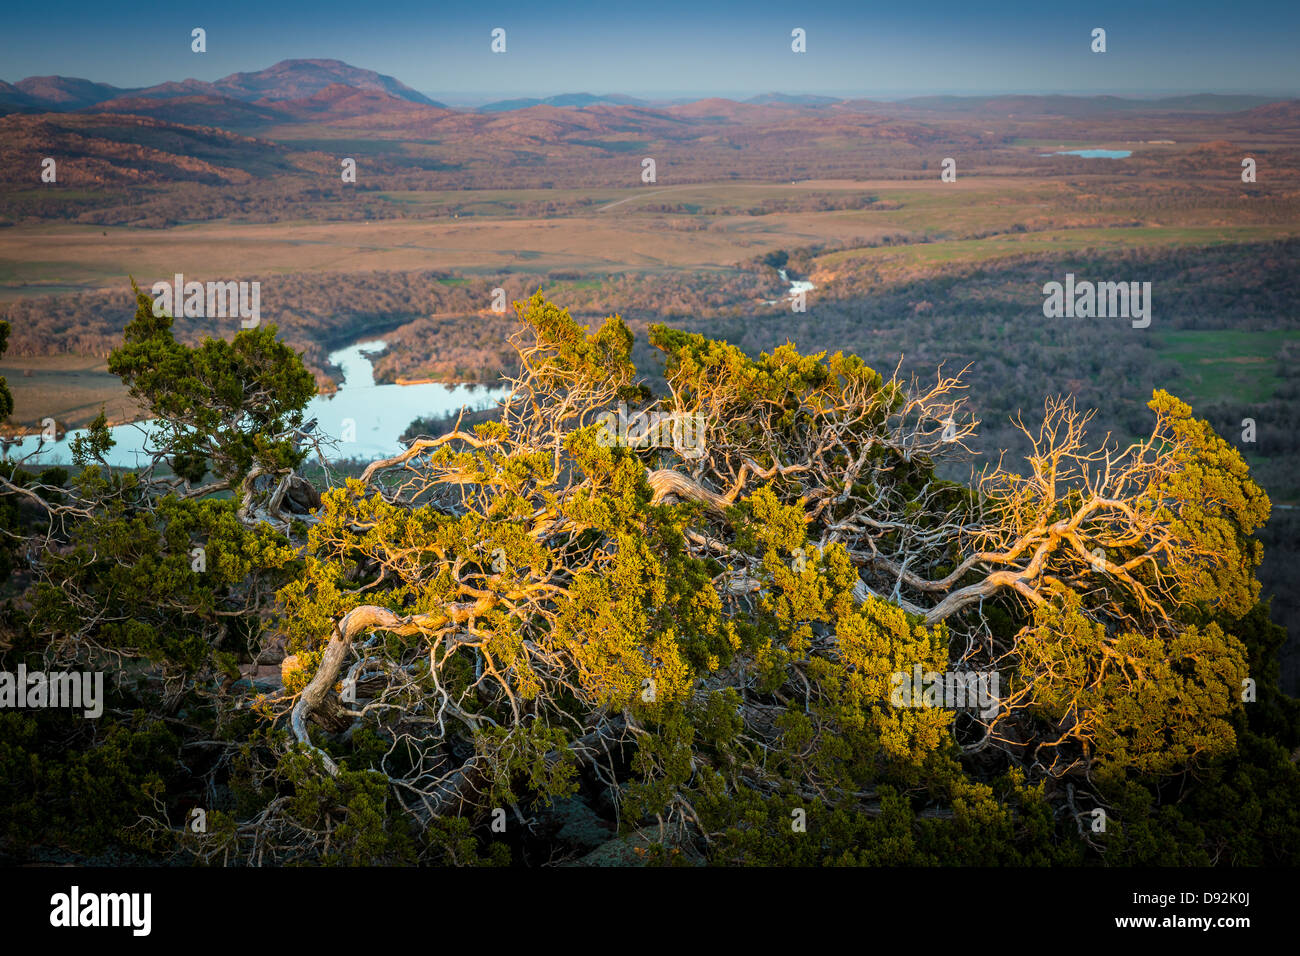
(605, 230)
(1228, 365)
(71, 389)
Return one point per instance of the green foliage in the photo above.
(64, 783)
(355, 806)
(223, 406)
(1211, 504)
(1144, 702)
(551, 597)
(137, 565)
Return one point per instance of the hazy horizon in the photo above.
(676, 50)
(465, 97)
(472, 97)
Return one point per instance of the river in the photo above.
(796, 286)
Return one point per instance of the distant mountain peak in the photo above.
(300, 79)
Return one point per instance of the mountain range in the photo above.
(286, 80)
(294, 88)
(254, 144)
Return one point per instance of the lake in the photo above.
(372, 416)
(1093, 153)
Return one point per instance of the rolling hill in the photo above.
(115, 150)
(286, 80)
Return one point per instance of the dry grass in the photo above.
(74, 257)
(68, 388)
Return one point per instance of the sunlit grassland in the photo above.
(1227, 365)
(600, 230)
(68, 388)
(1058, 241)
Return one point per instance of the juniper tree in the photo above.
(712, 635)
(155, 576)
(519, 604)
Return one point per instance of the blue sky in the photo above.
(675, 48)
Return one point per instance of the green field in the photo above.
(992, 248)
(1227, 366)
